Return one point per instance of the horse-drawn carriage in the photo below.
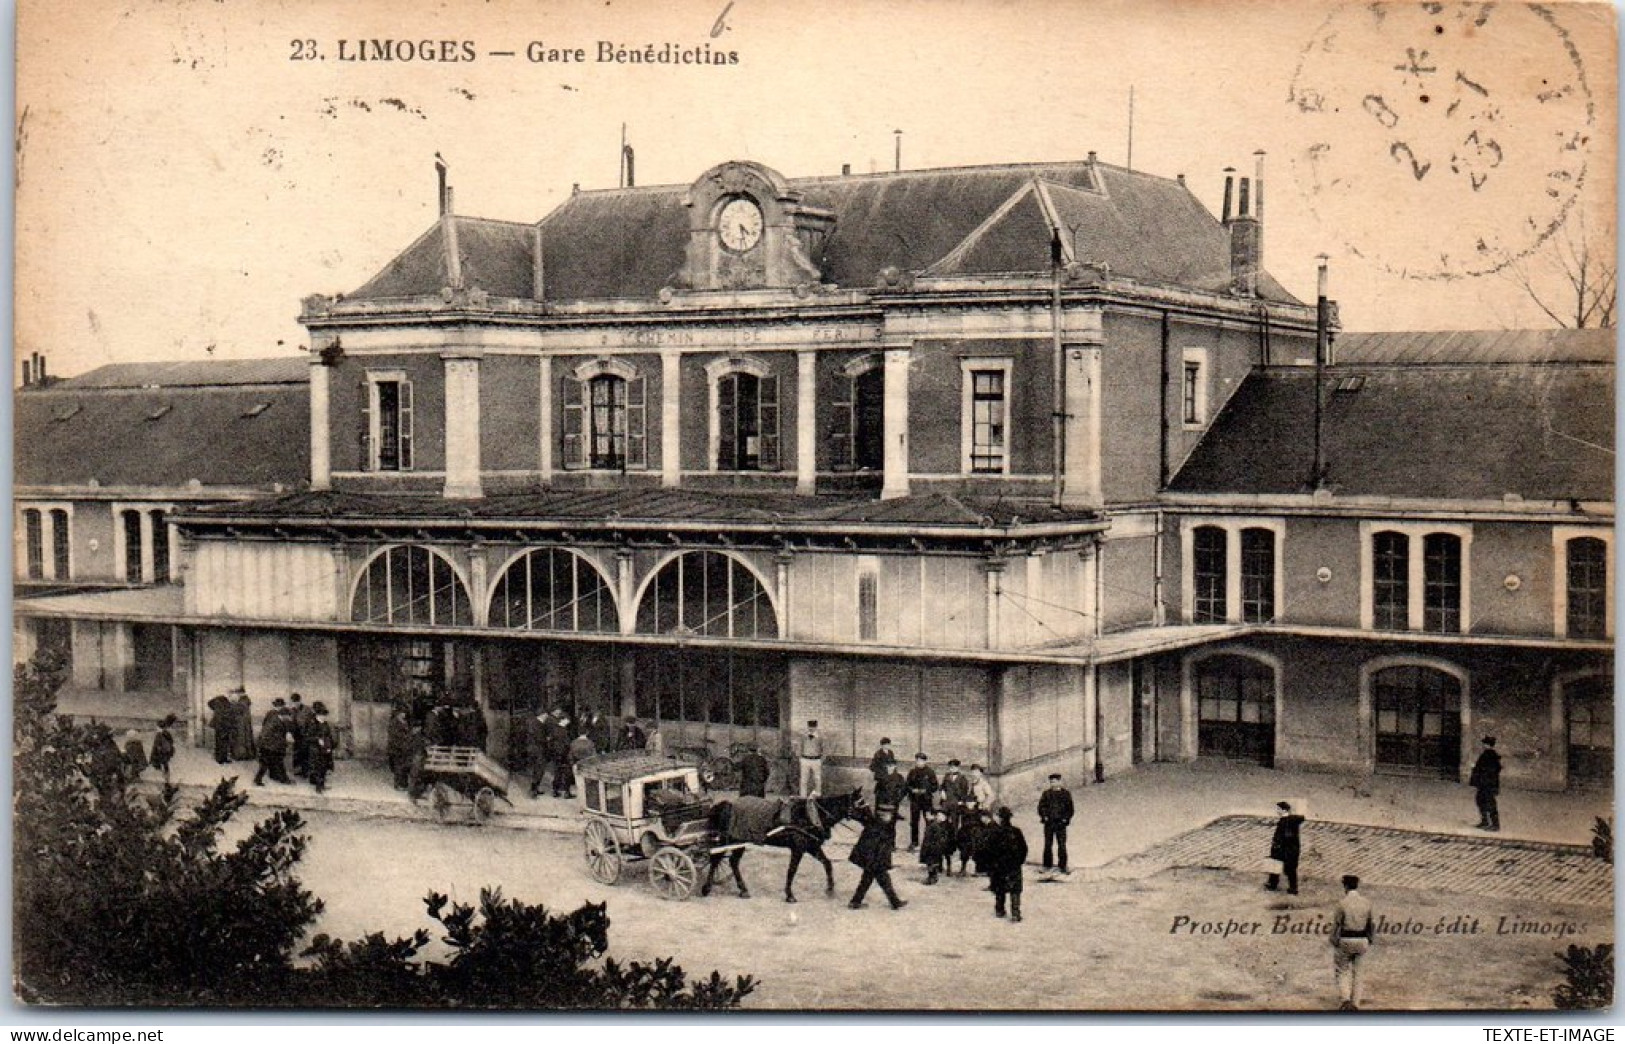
(645, 808)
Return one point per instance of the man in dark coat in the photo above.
(922, 792)
(632, 737)
(880, 765)
(275, 735)
(539, 748)
(399, 749)
(300, 719)
(1055, 812)
(440, 726)
(1285, 845)
(600, 732)
(1486, 784)
(890, 790)
(163, 745)
(937, 846)
(872, 854)
(468, 726)
(558, 741)
(753, 772)
(319, 744)
(1004, 850)
(242, 728)
(222, 724)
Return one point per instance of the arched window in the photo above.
(706, 593)
(411, 585)
(1235, 708)
(606, 417)
(552, 589)
(747, 422)
(858, 418)
(1418, 720)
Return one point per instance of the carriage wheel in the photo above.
(603, 853)
(441, 800)
(485, 803)
(673, 874)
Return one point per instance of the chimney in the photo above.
(39, 368)
(1245, 238)
(626, 153)
(1229, 186)
(445, 194)
(846, 169)
(1241, 200)
(899, 160)
(28, 373)
(1258, 202)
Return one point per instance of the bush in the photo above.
(1602, 840)
(1588, 978)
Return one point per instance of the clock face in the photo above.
(740, 224)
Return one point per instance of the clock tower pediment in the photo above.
(748, 229)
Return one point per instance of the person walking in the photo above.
(922, 792)
(300, 719)
(220, 723)
(319, 743)
(1004, 853)
(163, 745)
(811, 753)
(1055, 812)
(1286, 845)
(753, 773)
(1486, 784)
(872, 854)
(275, 735)
(1353, 935)
(242, 728)
(880, 765)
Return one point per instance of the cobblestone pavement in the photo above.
(1382, 856)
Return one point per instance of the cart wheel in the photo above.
(603, 853)
(485, 803)
(673, 874)
(441, 800)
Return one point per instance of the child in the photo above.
(936, 845)
(163, 746)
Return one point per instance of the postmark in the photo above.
(1410, 111)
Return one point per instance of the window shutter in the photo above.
(637, 442)
(364, 436)
(575, 442)
(841, 427)
(767, 423)
(406, 425)
(727, 423)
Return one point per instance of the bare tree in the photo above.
(1573, 280)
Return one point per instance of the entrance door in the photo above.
(1418, 721)
(1236, 709)
(869, 420)
(1589, 710)
(154, 667)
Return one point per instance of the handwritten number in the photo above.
(1418, 169)
(1374, 104)
(720, 26)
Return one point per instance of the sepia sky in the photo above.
(183, 181)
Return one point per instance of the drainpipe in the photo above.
(1322, 336)
(1162, 441)
(1057, 377)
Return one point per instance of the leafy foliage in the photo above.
(1588, 976)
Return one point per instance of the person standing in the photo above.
(1486, 784)
(1004, 853)
(938, 843)
(319, 742)
(872, 854)
(600, 732)
(220, 723)
(656, 742)
(581, 748)
(1055, 812)
(956, 797)
(300, 720)
(135, 754)
(1353, 935)
(880, 765)
(922, 790)
(753, 773)
(812, 761)
(398, 749)
(539, 749)
(163, 745)
(1286, 845)
(273, 746)
(242, 728)
(981, 790)
(890, 790)
(559, 743)
(632, 737)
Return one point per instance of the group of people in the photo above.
(294, 734)
(557, 743)
(416, 726)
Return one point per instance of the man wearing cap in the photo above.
(318, 747)
(955, 793)
(890, 790)
(922, 790)
(273, 745)
(880, 765)
(1285, 845)
(1486, 784)
(1055, 812)
(811, 754)
(1003, 853)
(753, 773)
(221, 714)
(1353, 935)
(558, 733)
(981, 791)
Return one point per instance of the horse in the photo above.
(803, 835)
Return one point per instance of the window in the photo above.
(1233, 571)
(1586, 580)
(411, 585)
(606, 417)
(868, 598)
(985, 428)
(858, 417)
(1210, 552)
(386, 429)
(1391, 581)
(1414, 577)
(141, 543)
(718, 687)
(747, 422)
(553, 590)
(61, 559)
(130, 523)
(1193, 388)
(34, 534)
(706, 593)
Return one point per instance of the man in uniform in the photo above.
(1004, 852)
(1055, 812)
(1353, 936)
(890, 790)
(812, 761)
(1486, 784)
(880, 765)
(922, 790)
(753, 773)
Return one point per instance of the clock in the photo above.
(739, 225)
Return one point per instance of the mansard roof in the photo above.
(1541, 428)
(231, 423)
(630, 243)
